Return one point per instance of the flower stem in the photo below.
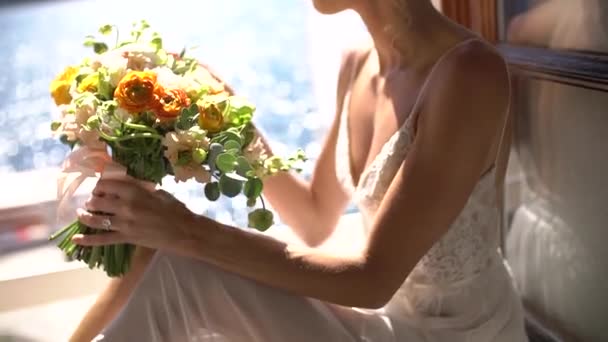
(263, 203)
(62, 231)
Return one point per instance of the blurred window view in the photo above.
(277, 53)
(558, 24)
(280, 54)
(558, 172)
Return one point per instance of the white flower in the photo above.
(70, 126)
(186, 141)
(167, 78)
(140, 56)
(114, 62)
(85, 107)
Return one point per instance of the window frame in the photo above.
(581, 69)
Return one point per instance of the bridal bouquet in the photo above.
(139, 110)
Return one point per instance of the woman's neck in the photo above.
(406, 32)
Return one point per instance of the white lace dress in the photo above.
(459, 291)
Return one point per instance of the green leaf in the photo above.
(104, 85)
(99, 47)
(232, 145)
(212, 191)
(232, 136)
(253, 188)
(215, 150)
(187, 119)
(89, 41)
(251, 202)
(105, 30)
(243, 166)
(229, 186)
(249, 134)
(55, 125)
(261, 219)
(238, 111)
(93, 122)
(157, 42)
(226, 162)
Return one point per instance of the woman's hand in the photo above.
(134, 214)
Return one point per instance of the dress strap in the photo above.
(410, 122)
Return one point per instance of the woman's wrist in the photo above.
(195, 235)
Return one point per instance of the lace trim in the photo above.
(470, 242)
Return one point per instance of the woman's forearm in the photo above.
(311, 217)
(293, 199)
(304, 271)
(112, 299)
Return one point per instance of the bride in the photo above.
(417, 144)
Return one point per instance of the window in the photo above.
(557, 187)
(557, 51)
(276, 56)
(558, 24)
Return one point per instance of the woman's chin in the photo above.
(330, 6)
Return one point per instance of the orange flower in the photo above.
(211, 117)
(170, 102)
(135, 92)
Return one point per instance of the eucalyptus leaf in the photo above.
(233, 136)
(243, 166)
(253, 188)
(226, 162)
(232, 145)
(229, 186)
(215, 150)
(212, 191)
(261, 219)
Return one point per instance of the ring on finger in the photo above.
(106, 224)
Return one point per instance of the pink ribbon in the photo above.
(81, 164)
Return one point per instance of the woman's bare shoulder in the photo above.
(478, 63)
(353, 59)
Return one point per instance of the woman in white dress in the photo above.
(416, 144)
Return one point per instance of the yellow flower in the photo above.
(135, 92)
(60, 86)
(89, 83)
(211, 117)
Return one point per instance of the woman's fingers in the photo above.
(105, 204)
(102, 222)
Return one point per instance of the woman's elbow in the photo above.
(374, 296)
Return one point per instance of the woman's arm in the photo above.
(312, 209)
(112, 299)
(456, 141)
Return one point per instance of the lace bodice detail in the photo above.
(471, 241)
